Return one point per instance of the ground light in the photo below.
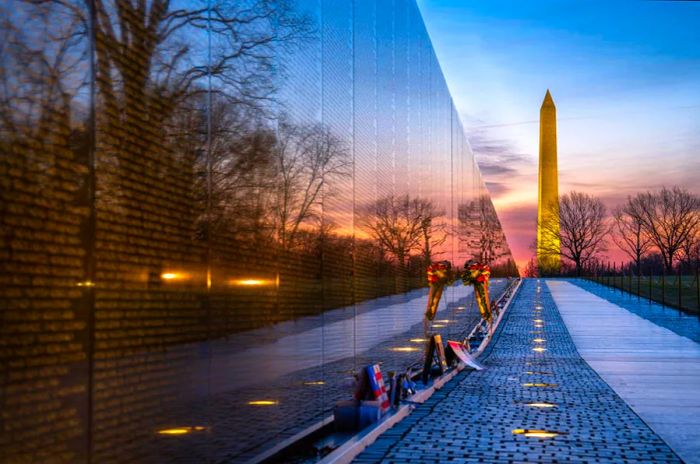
(418, 340)
(538, 340)
(315, 382)
(534, 433)
(539, 349)
(540, 385)
(438, 326)
(542, 405)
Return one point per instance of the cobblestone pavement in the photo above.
(474, 418)
(236, 431)
(686, 325)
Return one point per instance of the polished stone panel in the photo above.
(200, 200)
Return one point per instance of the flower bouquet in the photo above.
(477, 274)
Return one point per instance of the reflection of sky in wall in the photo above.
(374, 79)
(625, 78)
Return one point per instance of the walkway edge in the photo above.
(353, 447)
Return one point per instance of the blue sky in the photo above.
(625, 77)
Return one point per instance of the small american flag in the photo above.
(378, 388)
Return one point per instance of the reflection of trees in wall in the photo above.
(266, 182)
(307, 160)
(152, 63)
(43, 79)
(187, 153)
(480, 232)
(403, 224)
(45, 230)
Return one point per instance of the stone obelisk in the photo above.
(548, 244)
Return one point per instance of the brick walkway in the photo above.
(473, 418)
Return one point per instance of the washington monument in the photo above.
(548, 244)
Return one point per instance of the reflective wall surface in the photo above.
(212, 213)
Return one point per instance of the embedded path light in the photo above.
(263, 403)
(181, 430)
(542, 404)
(535, 433)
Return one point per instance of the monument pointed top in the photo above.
(548, 101)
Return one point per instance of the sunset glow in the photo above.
(626, 95)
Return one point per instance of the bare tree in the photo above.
(154, 60)
(480, 230)
(531, 268)
(690, 251)
(242, 177)
(147, 59)
(671, 217)
(306, 159)
(630, 235)
(434, 234)
(403, 224)
(582, 229)
(43, 68)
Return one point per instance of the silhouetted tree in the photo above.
(531, 268)
(671, 218)
(434, 234)
(690, 251)
(629, 235)
(306, 159)
(43, 59)
(582, 229)
(152, 59)
(402, 224)
(480, 230)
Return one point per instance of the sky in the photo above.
(625, 77)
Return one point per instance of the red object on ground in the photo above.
(378, 388)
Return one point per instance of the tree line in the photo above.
(657, 230)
